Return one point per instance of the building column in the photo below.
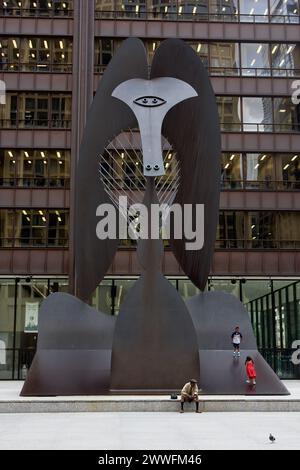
(82, 97)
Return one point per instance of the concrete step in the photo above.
(11, 402)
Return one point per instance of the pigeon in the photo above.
(271, 438)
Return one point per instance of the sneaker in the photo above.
(248, 381)
(239, 354)
(254, 382)
(197, 411)
(181, 411)
(234, 354)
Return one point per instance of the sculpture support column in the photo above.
(82, 97)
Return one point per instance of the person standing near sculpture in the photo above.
(236, 338)
(189, 393)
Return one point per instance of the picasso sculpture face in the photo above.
(150, 100)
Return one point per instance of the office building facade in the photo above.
(52, 57)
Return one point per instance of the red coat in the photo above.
(251, 372)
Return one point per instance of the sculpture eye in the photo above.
(149, 101)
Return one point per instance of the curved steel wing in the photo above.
(106, 119)
(192, 127)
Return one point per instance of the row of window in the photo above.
(197, 10)
(34, 168)
(35, 54)
(248, 114)
(37, 228)
(236, 229)
(51, 168)
(44, 8)
(223, 58)
(260, 11)
(36, 110)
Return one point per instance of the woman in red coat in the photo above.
(251, 372)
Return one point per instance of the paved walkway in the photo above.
(108, 431)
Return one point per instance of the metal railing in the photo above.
(256, 244)
(261, 72)
(260, 127)
(35, 123)
(260, 185)
(176, 15)
(43, 67)
(36, 12)
(35, 182)
(34, 242)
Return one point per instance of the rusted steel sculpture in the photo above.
(157, 342)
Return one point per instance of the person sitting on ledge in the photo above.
(190, 393)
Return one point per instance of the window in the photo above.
(261, 229)
(230, 231)
(257, 114)
(229, 113)
(231, 171)
(288, 170)
(284, 11)
(224, 56)
(286, 115)
(285, 59)
(254, 11)
(255, 59)
(260, 171)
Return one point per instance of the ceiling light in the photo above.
(227, 166)
(259, 49)
(294, 158)
(256, 166)
(282, 110)
(232, 156)
(24, 212)
(266, 12)
(58, 154)
(61, 44)
(28, 219)
(33, 55)
(253, 62)
(26, 154)
(289, 49)
(14, 161)
(63, 56)
(59, 219)
(41, 212)
(286, 166)
(170, 156)
(44, 219)
(34, 5)
(199, 47)
(49, 5)
(263, 157)
(252, 226)
(153, 46)
(194, 10)
(274, 49)
(180, 9)
(64, 5)
(45, 162)
(137, 7)
(15, 44)
(60, 162)
(43, 154)
(29, 162)
(167, 165)
(10, 154)
(281, 63)
(166, 9)
(251, 11)
(46, 44)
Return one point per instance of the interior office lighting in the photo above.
(61, 44)
(263, 157)
(289, 49)
(232, 157)
(199, 47)
(274, 49)
(46, 44)
(259, 49)
(15, 44)
(286, 166)
(194, 10)
(253, 62)
(10, 154)
(26, 154)
(294, 158)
